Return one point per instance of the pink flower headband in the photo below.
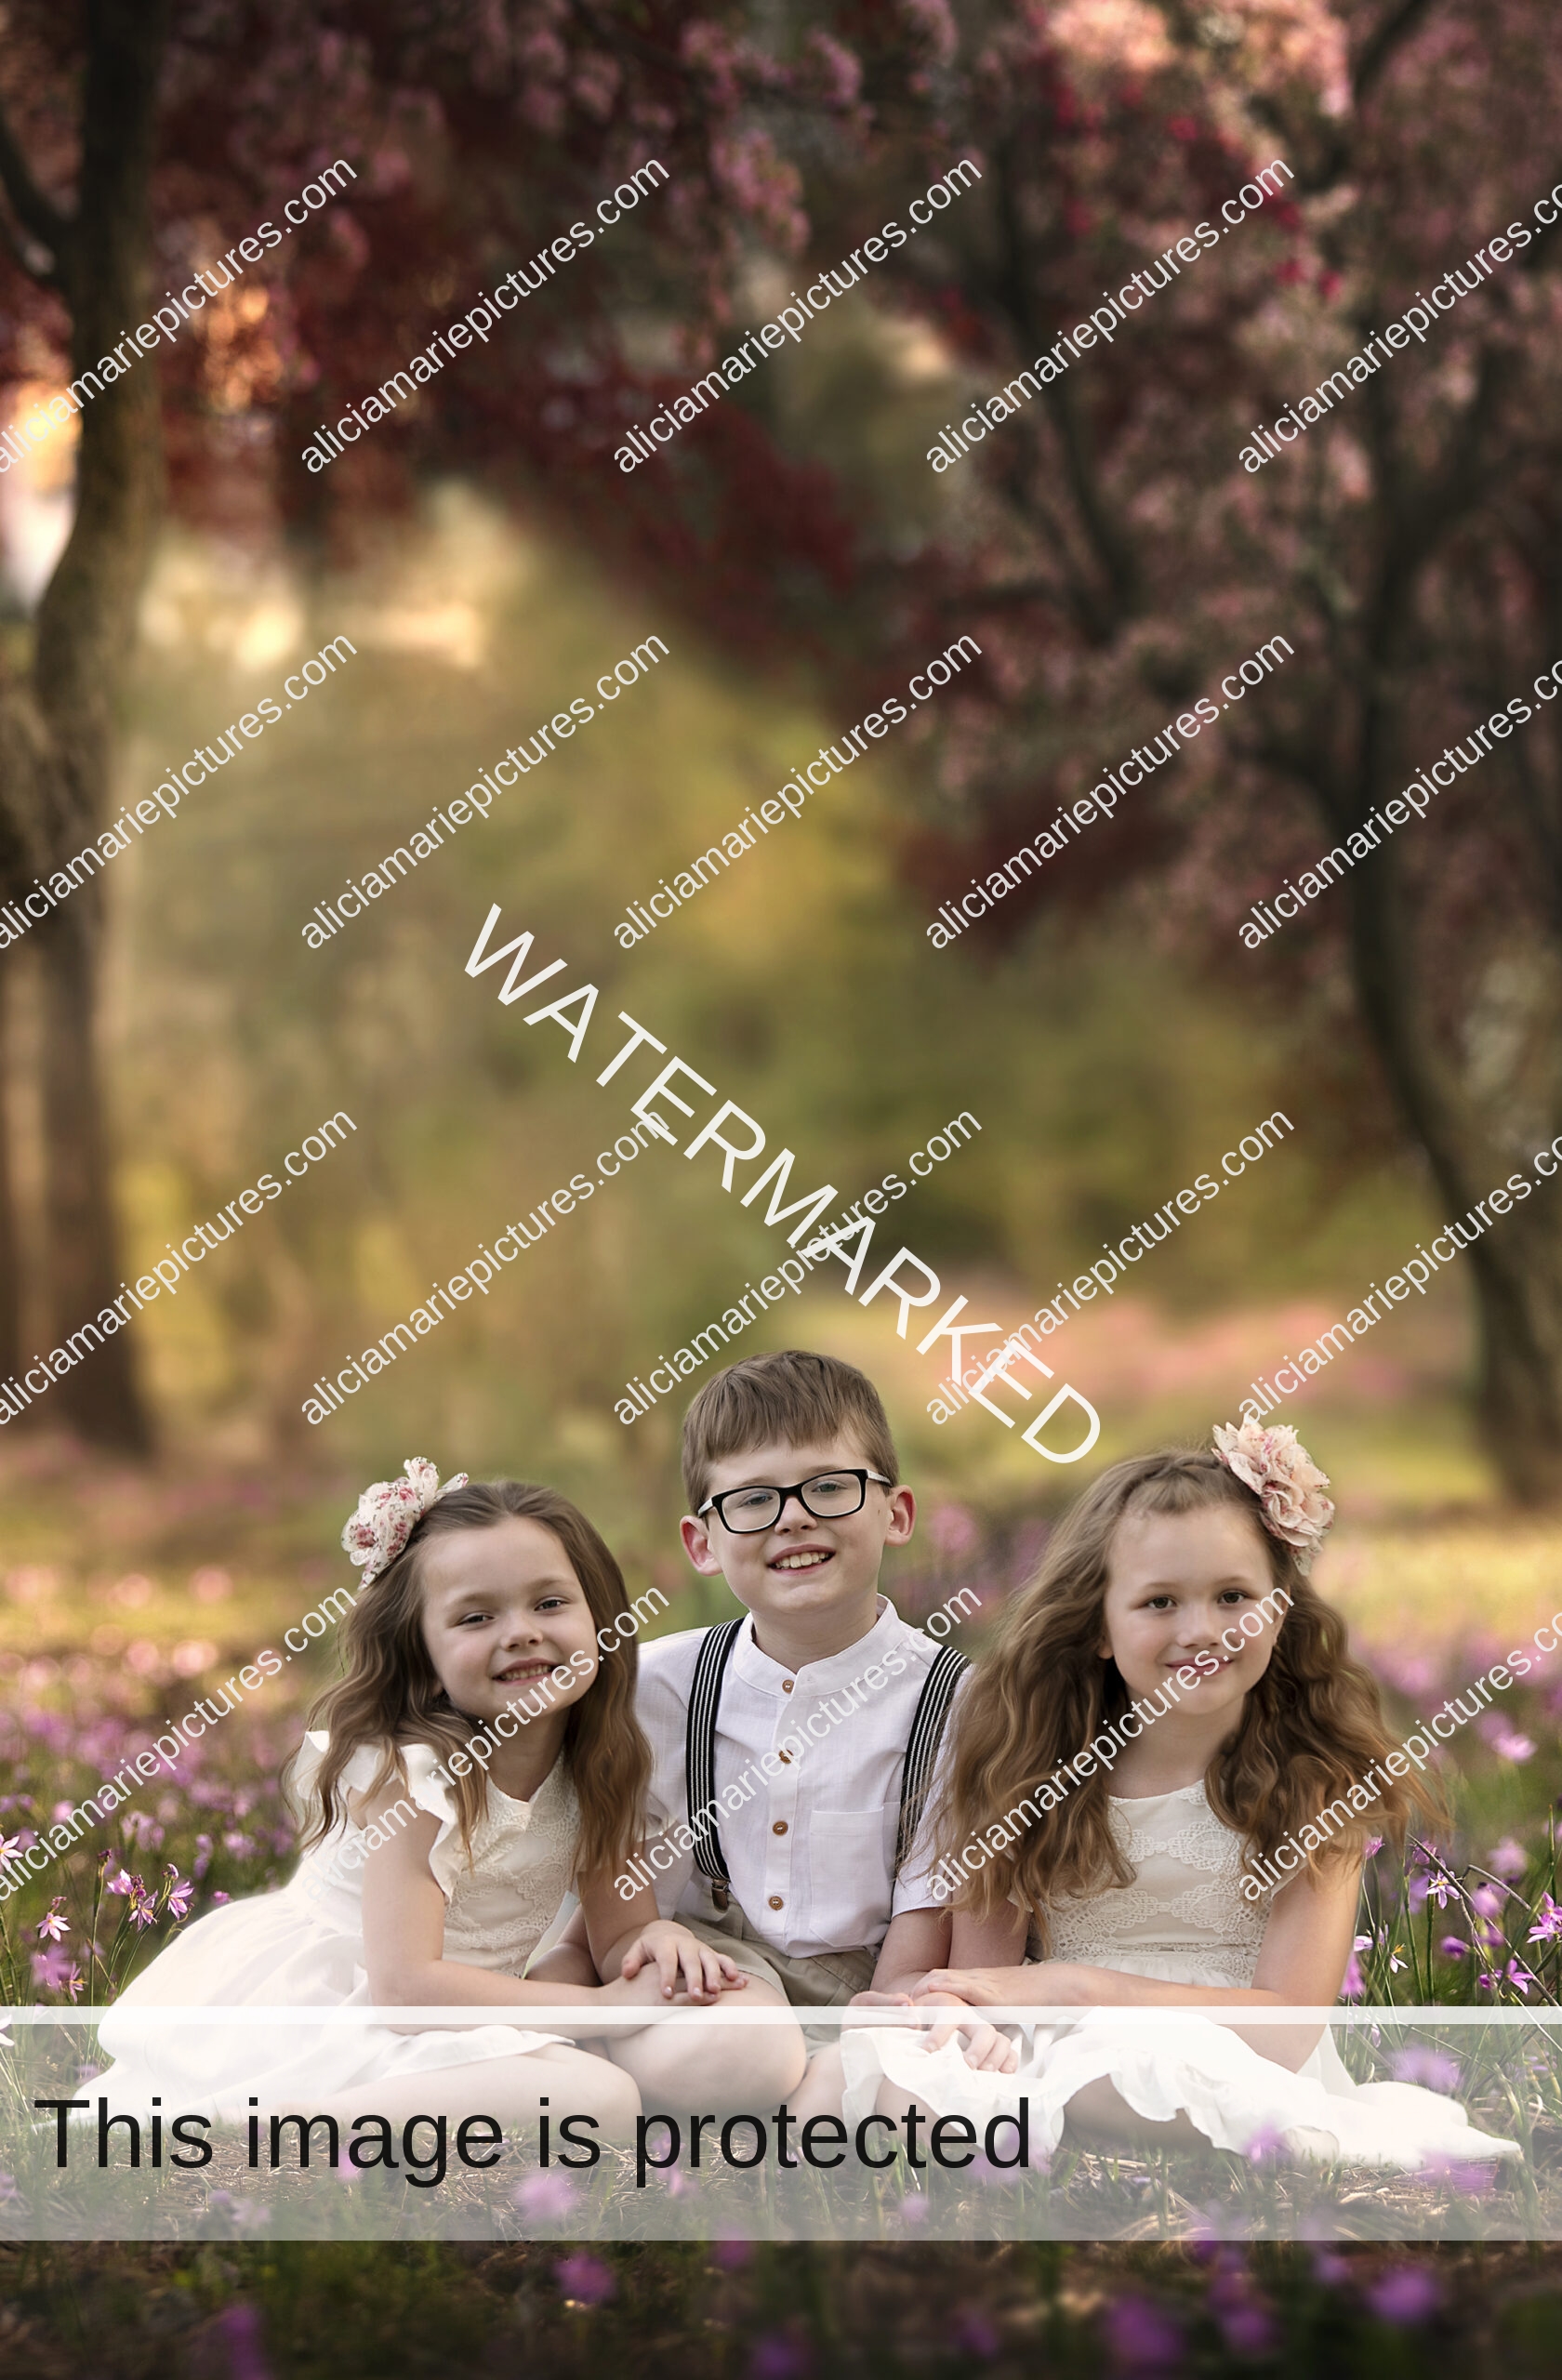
(1285, 1479)
(389, 1511)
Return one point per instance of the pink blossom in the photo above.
(1433, 2069)
(1286, 1482)
(389, 1511)
(1548, 1920)
(840, 71)
(1141, 2336)
(585, 2279)
(546, 2197)
(52, 1927)
(1405, 2293)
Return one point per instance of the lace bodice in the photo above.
(1185, 1917)
(499, 1904)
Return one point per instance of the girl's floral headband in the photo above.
(389, 1511)
(1285, 1479)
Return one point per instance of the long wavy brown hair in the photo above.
(1309, 1729)
(392, 1696)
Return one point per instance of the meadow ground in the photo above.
(113, 1609)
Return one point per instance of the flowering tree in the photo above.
(1332, 426)
(143, 143)
(1125, 531)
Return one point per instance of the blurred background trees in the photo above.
(1106, 550)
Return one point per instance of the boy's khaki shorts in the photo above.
(828, 1980)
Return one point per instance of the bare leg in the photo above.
(509, 2089)
(685, 2068)
(822, 2088)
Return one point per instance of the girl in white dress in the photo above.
(1159, 1791)
(479, 1758)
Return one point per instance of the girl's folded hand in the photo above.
(987, 2050)
(680, 1958)
(1051, 1984)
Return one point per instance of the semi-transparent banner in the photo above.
(1400, 2124)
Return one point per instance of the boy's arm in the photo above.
(918, 1940)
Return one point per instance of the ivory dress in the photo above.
(302, 1948)
(1183, 1920)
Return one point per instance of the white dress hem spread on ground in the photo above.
(1183, 1920)
(303, 1948)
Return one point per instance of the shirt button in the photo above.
(775, 1900)
(779, 1827)
(785, 1685)
(786, 1756)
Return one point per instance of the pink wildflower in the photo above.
(585, 2279)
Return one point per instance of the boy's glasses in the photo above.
(832, 1496)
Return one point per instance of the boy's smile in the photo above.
(821, 1575)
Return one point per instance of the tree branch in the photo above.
(1379, 46)
(36, 213)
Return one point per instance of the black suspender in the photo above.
(922, 1745)
(699, 1751)
(699, 1756)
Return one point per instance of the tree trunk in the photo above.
(11, 1242)
(100, 1396)
(100, 260)
(1514, 1268)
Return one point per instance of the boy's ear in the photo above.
(697, 1545)
(903, 1516)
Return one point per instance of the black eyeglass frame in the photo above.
(845, 1471)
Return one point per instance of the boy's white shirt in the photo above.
(810, 1851)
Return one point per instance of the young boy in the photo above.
(792, 1749)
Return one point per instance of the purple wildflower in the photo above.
(238, 2328)
(547, 2198)
(1508, 1859)
(1548, 1920)
(585, 2279)
(51, 1968)
(125, 1884)
(973, 2333)
(1403, 2294)
(779, 2355)
(1355, 1984)
(181, 1896)
(51, 1925)
(1141, 2336)
(1432, 2068)
(1520, 1976)
(1247, 2328)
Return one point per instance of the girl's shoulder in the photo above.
(378, 1771)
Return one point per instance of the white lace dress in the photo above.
(302, 1948)
(1183, 1920)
